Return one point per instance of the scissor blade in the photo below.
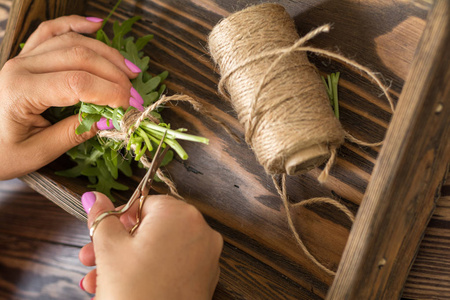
(156, 162)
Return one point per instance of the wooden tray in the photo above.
(261, 259)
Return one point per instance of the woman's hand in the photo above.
(57, 67)
(173, 254)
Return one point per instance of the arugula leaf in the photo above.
(143, 41)
(87, 123)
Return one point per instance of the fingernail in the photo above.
(94, 19)
(133, 68)
(136, 95)
(103, 124)
(88, 199)
(81, 284)
(135, 103)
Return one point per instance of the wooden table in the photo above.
(261, 259)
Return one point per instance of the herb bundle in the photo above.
(101, 159)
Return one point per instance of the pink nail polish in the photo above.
(133, 68)
(104, 124)
(135, 103)
(94, 19)
(81, 284)
(136, 95)
(88, 199)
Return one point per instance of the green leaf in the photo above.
(74, 171)
(112, 168)
(150, 98)
(167, 158)
(151, 85)
(143, 41)
(87, 123)
(163, 75)
(103, 37)
(132, 52)
(115, 118)
(162, 88)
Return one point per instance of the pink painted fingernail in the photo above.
(136, 95)
(81, 284)
(88, 199)
(135, 103)
(103, 124)
(133, 68)
(94, 19)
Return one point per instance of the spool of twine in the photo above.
(286, 115)
(280, 98)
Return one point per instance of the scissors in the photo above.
(140, 193)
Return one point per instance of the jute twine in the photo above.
(280, 98)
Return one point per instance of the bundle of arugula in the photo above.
(101, 159)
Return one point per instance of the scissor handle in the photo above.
(140, 193)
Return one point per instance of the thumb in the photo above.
(62, 135)
(58, 138)
(110, 230)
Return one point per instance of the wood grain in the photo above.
(223, 179)
(26, 15)
(401, 196)
(428, 278)
(39, 247)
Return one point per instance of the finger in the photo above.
(58, 26)
(53, 141)
(87, 255)
(78, 58)
(71, 40)
(109, 232)
(68, 88)
(164, 203)
(89, 282)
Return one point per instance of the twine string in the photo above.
(281, 189)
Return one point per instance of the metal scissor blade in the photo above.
(154, 166)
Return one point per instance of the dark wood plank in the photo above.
(401, 196)
(39, 247)
(27, 15)
(430, 272)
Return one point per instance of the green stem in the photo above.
(335, 93)
(173, 134)
(110, 14)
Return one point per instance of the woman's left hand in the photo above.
(57, 67)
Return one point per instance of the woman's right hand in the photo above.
(174, 254)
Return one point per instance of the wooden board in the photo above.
(401, 196)
(40, 245)
(223, 179)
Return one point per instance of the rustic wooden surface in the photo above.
(261, 259)
(400, 198)
(40, 245)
